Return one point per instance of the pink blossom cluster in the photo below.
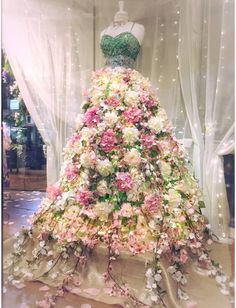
(113, 101)
(92, 117)
(108, 140)
(85, 197)
(152, 203)
(133, 115)
(54, 192)
(124, 181)
(148, 140)
(147, 101)
(71, 172)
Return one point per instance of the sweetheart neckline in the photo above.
(125, 32)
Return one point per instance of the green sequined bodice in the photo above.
(121, 50)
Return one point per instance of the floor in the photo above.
(17, 207)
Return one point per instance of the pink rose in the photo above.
(54, 192)
(124, 181)
(149, 102)
(108, 140)
(71, 172)
(113, 101)
(133, 115)
(92, 117)
(74, 138)
(152, 203)
(148, 140)
(85, 197)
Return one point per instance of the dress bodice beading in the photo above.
(121, 50)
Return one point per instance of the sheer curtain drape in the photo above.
(44, 41)
(187, 58)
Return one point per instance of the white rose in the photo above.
(79, 121)
(88, 159)
(174, 198)
(111, 118)
(87, 133)
(104, 167)
(132, 158)
(102, 188)
(103, 209)
(156, 124)
(131, 97)
(165, 169)
(130, 134)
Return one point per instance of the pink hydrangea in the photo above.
(152, 203)
(74, 138)
(133, 115)
(124, 181)
(148, 140)
(85, 197)
(54, 192)
(71, 172)
(113, 101)
(147, 101)
(92, 117)
(108, 140)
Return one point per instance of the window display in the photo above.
(125, 197)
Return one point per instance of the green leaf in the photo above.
(116, 206)
(153, 153)
(122, 196)
(201, 205)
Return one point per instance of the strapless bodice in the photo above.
(121, 50)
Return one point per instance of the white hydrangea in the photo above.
(131, 97)
(87, 133)
(156, 124)
(165, 169)
(174, 198)
(132, 158)
(104, 167)
(103, 209)
(130, 134)
(102, 188)
(111, 118)
(88, 159)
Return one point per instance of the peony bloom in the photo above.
(92, 117)
(88, 159)
(130, 134)
(132, 158)
(85, 197)
(133, 115)
(152, 203)
(111, 118)
(156, 124)
(108, 140)
(148, 140)
(104, 167)
(147, 101)
(124, 181)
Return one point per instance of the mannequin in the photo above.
(122, 24)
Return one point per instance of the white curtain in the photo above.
(44, 41)
(184, 53)
(218, 93)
